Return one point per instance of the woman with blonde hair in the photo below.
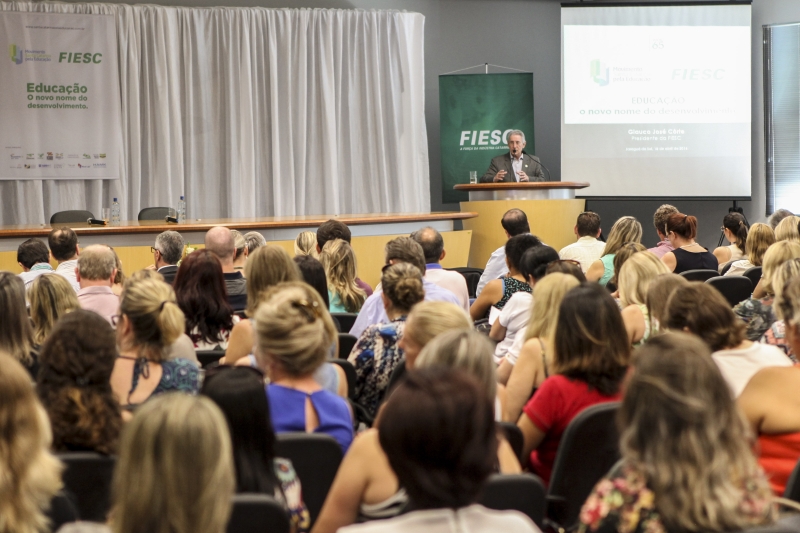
(240, 250)
(760, 238)
(16, 333)
(776, 333)
(624, 230)
(634, 279)
(787, 229)
(51, 297)
(306, 244)
(339, 261)
(687, 463)
(427, 320)
(535, 360)
(658, 294)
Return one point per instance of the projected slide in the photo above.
(656, 100)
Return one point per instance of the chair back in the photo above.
(588, 450)
(87, 477)
(346, 343)
(753, 274)
(733, 288)
(346, 320)
(726, 268)
(208, 357)
(316, 458)
(792, 490)
(350, 373)
(472, 276)
(156, 213)
(515, 492)
(514, 437)
(257, 513)
(66, 217)
(700, 274)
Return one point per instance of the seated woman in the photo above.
(759, 239)
(294, 332)
(734, 228)
(377, 353)
(624, 230)
(339, 261)
(658, 294)
(51, 297)
(700, 309)
(439, 437)
(681, 230)
(567, 266)
(684, 445)
(787, 229)
(16, 333)
(634, 280)
(498, 292)
(239, 392)
(625, 252)
(149, 322)
(200, 291)
(306, 244)
(240, 250)
(75, 368)
(313, 273)
(590, 357)
(776, 333)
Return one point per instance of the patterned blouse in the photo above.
(291, 495)
(757, 314)
(776, 336)
(375, 356)
(510, 286)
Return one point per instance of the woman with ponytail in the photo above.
(734, 227)
(681, 230)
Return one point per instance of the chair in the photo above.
(473, 277)
(515, 492)
(346, 320)
(726, 268)
(754, 274)
(208, 357)
(733, 288)
(514, 437)
(699, 274)
(588, 450)
(792, 490)
(87, 477)
(256, 513)
(66, 217)
(346, 343)
(350, 372)
(316, 458)
(156, 213)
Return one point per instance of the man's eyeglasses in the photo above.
(153, 250)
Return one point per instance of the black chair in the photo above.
(257, 513)
(588, 450)
(792, 490)
(733, 288)
(346, 320)
(87, 477)
(699, 274)
(316, 458)
(350, 372)
(516, 492)
(726, 268)
(754, 275)
(514, 437)
(156, 213)
(346, 343)
(208, 357)
(66, 217)
(473, 277)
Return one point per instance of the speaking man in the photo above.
(516, 165)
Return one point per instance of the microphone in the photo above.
(169, 219)
(96, 222)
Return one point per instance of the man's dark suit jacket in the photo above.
(169, 273)
(530, 165)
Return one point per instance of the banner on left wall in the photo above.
(59, 97)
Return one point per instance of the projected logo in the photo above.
(599, 72)
(15, 54)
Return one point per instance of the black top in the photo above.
(694, 260)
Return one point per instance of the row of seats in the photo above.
(734, 288)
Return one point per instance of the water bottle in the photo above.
(115, 213)
(182, 211)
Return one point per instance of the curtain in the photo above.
(252, 112)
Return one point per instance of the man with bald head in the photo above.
(96, 270)
(219, 241)
(433, 247)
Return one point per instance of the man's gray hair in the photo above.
(170, 244)
(96, 262)
(516, 132)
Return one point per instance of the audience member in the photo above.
(624, 230)
(200, 293)
(51, 297)
(700, 309)
(97, 267)
(514, 222)
(625, 252)
(433, 248)
(33, 257)
(63, 243)
(313, 273)
(293, 335)
(254, 240)
(776, 333)
(220, 242)
(74, 384)
(167, 253)
(787, 230)
(149, 322)
(686, 459)
(660, 218)
(759, 239)
(425, 321)
(399, 250)
(16, 333)
(339, 262)
(498, 292)
(240, 250)
(590, 357)
(306, 244)
(566, 266)
(119, 277)
(588, 248)
(526, 372)
(377, 353)
(635, 278)
(776, 217)
(333, 229)
(658, 294)
(439, 436)
(239, 393)
(686, 254)
(734, 228)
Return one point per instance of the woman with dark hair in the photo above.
(590, 356)
(734, 227)
(16, 332)
(200, 290)
(73, 384)
(239, 393)
(681, 231)
(313, 273)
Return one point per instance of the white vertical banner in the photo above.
(59, 97)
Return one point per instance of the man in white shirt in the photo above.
(587, 249)
(433, 248)
(514, 222)
(63, 243)
(33, 257)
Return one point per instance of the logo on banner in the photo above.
(15, 54)
(599, 72)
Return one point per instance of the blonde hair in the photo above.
(175, 471)
(775, 256)
(429, 319)
(463, 349)
(294, 329)
(306, 244)
(16, 333)
(265, 268)
(402, 284)
(658, 293)
(340, 266)
(787, 229)
(51, 296)
(636, 275)
(787, 291)
(31, 475)
(547, 295)
(624, 230)
(239, 244)
(759, 238)
(156, 320)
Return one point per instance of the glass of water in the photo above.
(473, 176)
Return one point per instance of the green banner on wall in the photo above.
(476, 112)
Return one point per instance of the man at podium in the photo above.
(516, 165)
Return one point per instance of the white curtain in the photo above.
(255, 112)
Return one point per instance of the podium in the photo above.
(551, 207)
